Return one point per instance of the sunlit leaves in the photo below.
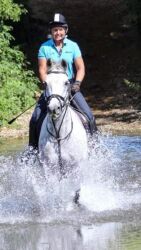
(17, 82)
(10, 10)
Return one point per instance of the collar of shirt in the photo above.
(64, 42)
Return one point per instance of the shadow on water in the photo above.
(37, 209)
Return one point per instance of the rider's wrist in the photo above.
(43, 83)
(77, 82)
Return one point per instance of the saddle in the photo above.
(83, 118)
(89, 125)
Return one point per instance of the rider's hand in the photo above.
(44, 84)
(75, 87)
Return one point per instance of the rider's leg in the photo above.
(32, 129)
(39, 110)
(80, 103)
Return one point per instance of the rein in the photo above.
(57, 137)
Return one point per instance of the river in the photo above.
(37, 211)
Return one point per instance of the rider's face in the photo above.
(58, 33)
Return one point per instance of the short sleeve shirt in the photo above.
(70, 51)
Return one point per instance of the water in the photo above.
(37, 209)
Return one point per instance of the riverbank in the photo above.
(114, 121)
(117, 121)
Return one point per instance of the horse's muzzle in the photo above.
(54, 108)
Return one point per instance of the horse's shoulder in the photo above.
(80, 116)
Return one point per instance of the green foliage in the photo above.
(10, 10)
(17, 83)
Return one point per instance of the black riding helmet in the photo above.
(58, 20)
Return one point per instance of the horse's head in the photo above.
(57, 88)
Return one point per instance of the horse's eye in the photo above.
(67, 82)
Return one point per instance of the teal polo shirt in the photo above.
(69, 53)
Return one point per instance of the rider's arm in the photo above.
(80, 69)
(42, 65)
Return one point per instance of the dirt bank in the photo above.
(114, 121)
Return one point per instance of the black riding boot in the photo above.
(33, 138)
(30, 153)
(92, 126)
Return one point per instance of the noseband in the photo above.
(58, 97)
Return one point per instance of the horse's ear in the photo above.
(49, 62)
(64, 64)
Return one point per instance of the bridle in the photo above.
(64, 104)
(58, 97)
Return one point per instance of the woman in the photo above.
(57, 48)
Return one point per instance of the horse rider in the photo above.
(57, 48)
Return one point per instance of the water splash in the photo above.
(109, 183)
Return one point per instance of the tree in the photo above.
(17, 82)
